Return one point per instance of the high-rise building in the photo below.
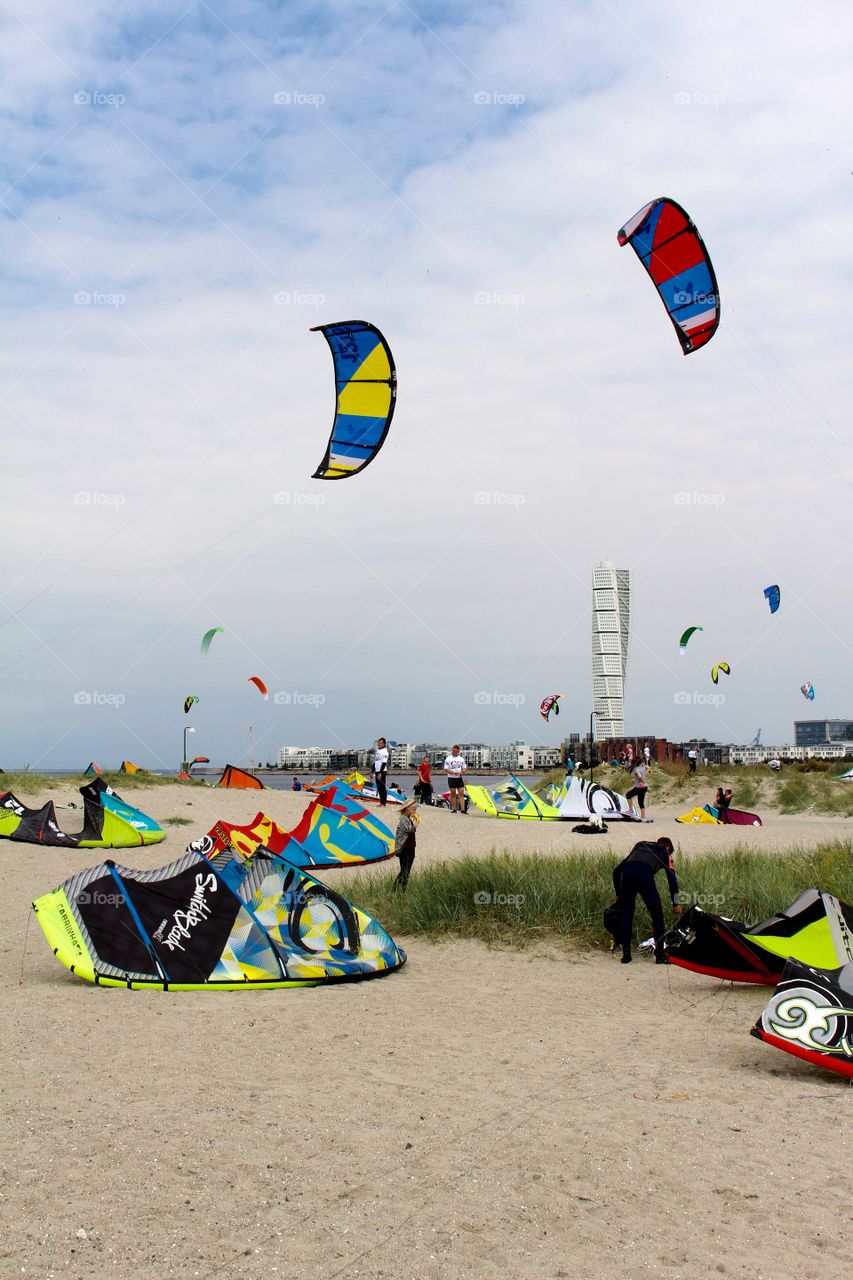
(611, 615)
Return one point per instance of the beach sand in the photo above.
(481, 1113)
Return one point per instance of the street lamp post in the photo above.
(185, 763)
(591, 745)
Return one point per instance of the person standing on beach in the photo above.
(691, 756)
(454, 767)
(635, 875)
(404, 842)
(641, 785)
(380, 771)
(425, 781)
(647, 754)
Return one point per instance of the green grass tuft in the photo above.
(514, 900)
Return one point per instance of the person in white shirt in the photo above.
(454, 767)
(380, 770)
(691, 756)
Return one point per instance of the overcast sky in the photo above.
(184, 193)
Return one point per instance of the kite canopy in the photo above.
(666, 241)
(226, 924)
(720, 667)
(682, 644)
(699, 815)
(810, 1015)
(260, 686)
(816, 929)
(108, 823)
(512, 799)
(190, 700)
(549, 704)
(591, 799)
(733, 817)
(128, 767)
(92, 770)
(366, 387)
(326, 836)
(773, 596)
(807, 690)
(207, 638)
(234, 777)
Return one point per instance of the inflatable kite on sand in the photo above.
(817, 929)
(810, 1015)
(228, 925)
(108, 822)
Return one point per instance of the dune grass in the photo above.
(511, 900)
(25, 783)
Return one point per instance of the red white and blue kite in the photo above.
(667, 243)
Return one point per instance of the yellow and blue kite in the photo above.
(366, 392)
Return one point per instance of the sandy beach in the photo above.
(481, 1113)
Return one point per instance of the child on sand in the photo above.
(404, 841)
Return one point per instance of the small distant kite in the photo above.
(549, 704)
(773, 596)
(807, 690)
(715, 671)
(682, 644)
(261, 687)
(207, 638)
(665, 239)
(188, 702)
(366, 387)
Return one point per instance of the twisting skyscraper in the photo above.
(611, 613)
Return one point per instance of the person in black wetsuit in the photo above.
(636, 875)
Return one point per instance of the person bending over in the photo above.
(635, 875)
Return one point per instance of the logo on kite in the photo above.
(666, 241)
(682, 644)
(260, 686)
(773, 596)
(549, 704)
(721, 666)
(366, 392)
(188, 702)
(208, 637)
(807, 690)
